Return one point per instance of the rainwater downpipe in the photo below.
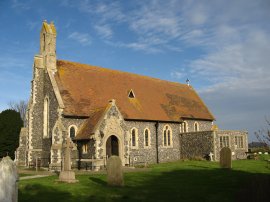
(157, 124)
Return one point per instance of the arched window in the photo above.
(84, 148)
(44, 42)
(72, 132)
(147, 138)
(134, 138)
(46, 118)
(185, 127)
(167, 136)
(196, 126)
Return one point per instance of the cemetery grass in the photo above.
(249, 180)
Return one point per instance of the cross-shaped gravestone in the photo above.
(67, 175)
(67, 146)
(211, 156)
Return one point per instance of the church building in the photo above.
(108, 112)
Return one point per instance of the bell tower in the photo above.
(48, 45)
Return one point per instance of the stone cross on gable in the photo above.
(67, 146)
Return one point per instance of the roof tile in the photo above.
(86, 88)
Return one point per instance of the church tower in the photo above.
(48, 45)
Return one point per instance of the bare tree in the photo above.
(21, 107)
(263, 135)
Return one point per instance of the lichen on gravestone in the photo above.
(115, 171)
(8, 180)
(226, 158)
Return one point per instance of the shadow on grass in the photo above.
(98, 181)
(180, 185)
(220, 185)
(38, 192)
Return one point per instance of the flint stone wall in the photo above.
(196, 144)
(142, 154)
(237, 153)
(36, 117)
(22, 149)
(53, 116)
(203, 125)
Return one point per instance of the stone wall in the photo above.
(36, 115)
(203, 125)
(196, 144)
(167, 154)
(142, 154)
(53, 116)
(22, 149)
(69, 121)
(237, 153)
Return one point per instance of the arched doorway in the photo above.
(112, 146)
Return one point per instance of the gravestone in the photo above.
(67, 175)
(8, 180)
(226, 157)
(115, 171)
(211, 156)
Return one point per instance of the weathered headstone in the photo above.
(226, 157)
(67, 175)
(8, 180)
(115, 171)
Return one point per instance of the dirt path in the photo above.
(32, 177)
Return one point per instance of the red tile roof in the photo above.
(89, 126)
(86, 88)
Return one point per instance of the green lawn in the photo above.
(249, 180)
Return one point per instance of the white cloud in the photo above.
(230, 38)
(20, 5)
(138, 46)
(104, 30)
(83, 38)
(178, 74)
(110, 11)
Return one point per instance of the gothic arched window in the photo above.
(134, 138)
(72, 132)
(196, 126)
(167, 136)
(46, 118)
(185, 127)
(147, 137)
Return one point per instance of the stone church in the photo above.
(108, 112)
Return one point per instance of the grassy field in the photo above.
(249, 180)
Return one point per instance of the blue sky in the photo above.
(223, 47)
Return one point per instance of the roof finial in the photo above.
(187, 81)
